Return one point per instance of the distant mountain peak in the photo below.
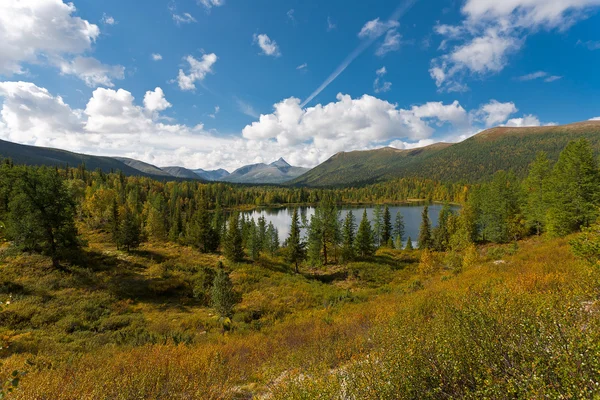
(281, 163)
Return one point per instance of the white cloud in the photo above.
(214, 115)
(595, 119)
(495, 113)
(156, 57)
(290, 15)
(208, 4)
(33, 31)
(108, 20)
(113, 124)
(375, 28)
(302, 66)
(527, 120)
(91, 71)
(269, 47)
(246, 108)
(539, 75)
(590, 44)
(391, 43)
(155, 100)
(198, 69)
(552, 78)
(492, 30)
(185, 18)
(381, 87)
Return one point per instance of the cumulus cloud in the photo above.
(390, 43)
(156, 57)
(198, 69)
(495, 113)
(113, 124)
(208, 4)
(491, 31)
(42, 31)
(269, 47)
(108, 20)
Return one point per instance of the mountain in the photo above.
(180, 172)
(472, 160)
(32, 155)
(277, 172)
(143, 167)
(215, 175)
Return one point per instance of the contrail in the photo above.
(365, 44)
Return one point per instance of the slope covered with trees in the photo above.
(473, 160)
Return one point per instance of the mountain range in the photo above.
(472, 160)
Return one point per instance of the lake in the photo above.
(282, 217)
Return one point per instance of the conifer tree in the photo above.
(296, 252)
(254, 240)
(399, 230)
(129, 236)
(222, 296)
(377, 225)
(442, 232)
(365, 246)
(201, 233)
(272, 238)
(425, 241)
(409, 244)
(537, 188)
(232, 245)
(348, 233)
(262, 233)
(575, 189)
(324, 233)
(386, 232)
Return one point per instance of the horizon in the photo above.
(301, 81)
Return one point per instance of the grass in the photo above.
(520, 323)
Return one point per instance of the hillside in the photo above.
(475, 159)
(143, 167)
(215, 175)
(277, 172)
(180, 172)
(32, 155)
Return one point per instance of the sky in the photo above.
(224, 83)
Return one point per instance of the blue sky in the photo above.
(424, 71)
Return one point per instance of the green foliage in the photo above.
(324, 235)
(129, 234)
(41, 212)
(442, 233)
(201, 233)
(364, 243)
(296, 248)
(222, 296)
(587, 244)
(348, 237)
(386, 228)
(409, 244)
(425, 239)
(575, 192)
(537, 188)
(233, 243)
(399, 230)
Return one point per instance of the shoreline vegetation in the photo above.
(115, 287)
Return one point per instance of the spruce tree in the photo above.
(254, 240)
(425, 241)
(222, 296)
(129, 236)
(575, 189)
(324, 234)
(386, 232)
(365, 246)
(272, 239)
(232, 245)
(399, 230)
(201, 233)
(296, 252)
(262, 233)
(377, 225)
(348, 233)
(442, 232)
(537, 188)
(409, 245)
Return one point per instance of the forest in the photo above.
(129, 287)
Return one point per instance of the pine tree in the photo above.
(129, 236)
(386, 233)
(296, 252)
(262, 233)
(575, 189)
(364, 242)
(201, 233)
(442, 232)
(232, 245)
(254, 240)
(409, 245)
(377, 225)
(272, 238)
(348, 233)
(425, 241)
(324, 234)
(399, 230)
(222, 296)
(537, 187)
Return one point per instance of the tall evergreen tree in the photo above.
(348, 234)
(575, 189)
(222, 296)
(444, 229)
(272, 239)
(399, 230)
(386, 232)
(201, 233)
(324, 233)
(364, 241)
(537, 188)
(262, 233)
(232, 244)
(296, 252)
(409, 244)
(377, 225)
(425, 241)
(129, 236)
(41, 213)
(254, 240)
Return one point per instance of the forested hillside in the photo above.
(473, 160)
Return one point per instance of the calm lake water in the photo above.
(282, 217)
